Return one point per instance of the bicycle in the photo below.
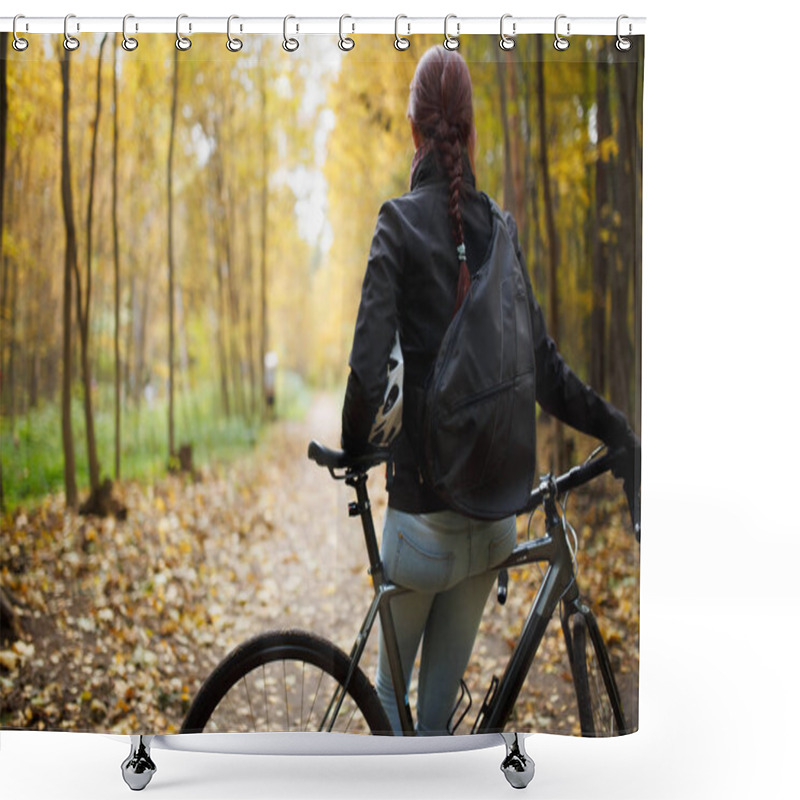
(295, 680)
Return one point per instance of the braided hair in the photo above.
(440, 107)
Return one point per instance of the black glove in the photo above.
(629, 469)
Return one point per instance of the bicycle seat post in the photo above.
(362, 508)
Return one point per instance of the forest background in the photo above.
(154, 255)
(233, 210)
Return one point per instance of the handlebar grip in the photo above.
(634, 506)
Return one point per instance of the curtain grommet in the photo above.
(507, 42)
(71, 42)
(560, 43)
(400, 42)
(451, 42)
(233, 44)
(346, 44)
(289, 44)
(129, 44)
(182, 42)
(18, 43)
(623, 44)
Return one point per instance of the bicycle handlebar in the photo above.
(577, 476)
(582, 474)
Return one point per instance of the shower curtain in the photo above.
(184, 239)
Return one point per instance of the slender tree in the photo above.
(70, 260)
(603, 215)
(115, 228)
(215, 260)
(625, 261)
(264, 245)
(628, 375)
(171, 263)
(509, 198)
(552, 235)
(3, 127)
(83, 298)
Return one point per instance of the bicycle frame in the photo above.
(558, 584)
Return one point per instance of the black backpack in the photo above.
(479, 418)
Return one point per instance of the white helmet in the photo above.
(389, 418)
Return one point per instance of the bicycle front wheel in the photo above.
(286, 681)
(599, 704)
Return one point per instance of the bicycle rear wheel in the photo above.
(286, 681)
(599, 704)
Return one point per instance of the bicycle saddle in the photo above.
(339, 459)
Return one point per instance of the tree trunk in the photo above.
(171, 265)
(115, 229)
(518, 146)
(622, 365)
(226, 204)
(628, 75)
(268, 401)
(509, 200)
(552, 239)
(84, 304)
(527, 171)
(603, 227)
(10, 629)
(70, 259)
(215, 257)
(252, 366)
(3, 124)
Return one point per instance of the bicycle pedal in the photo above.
(465, 693)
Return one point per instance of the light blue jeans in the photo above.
(447, 561)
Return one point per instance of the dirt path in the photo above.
(125, 619)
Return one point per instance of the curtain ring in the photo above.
(560, 43)
(507, 42)
(233, 44)
(345, 43)
(182, 42)
(289, 45)
(623, 44)
(19, 44)
(128, 42)
(451, 42)
(400, 42)
(70, 42)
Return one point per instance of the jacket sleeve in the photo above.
(559, 391)
(375, 329)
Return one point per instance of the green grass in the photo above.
(33, 458)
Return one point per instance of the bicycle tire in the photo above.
(599, 705)
(284, 681)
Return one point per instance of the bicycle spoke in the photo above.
(230, 698)
(264, 685)
(286, 695)
(302, 694)
(350, 721)
(250, 705)
(314, 702)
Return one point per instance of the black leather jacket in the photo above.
(410, 286)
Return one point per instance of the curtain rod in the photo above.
(403, 25)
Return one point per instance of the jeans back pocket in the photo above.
(421, 569)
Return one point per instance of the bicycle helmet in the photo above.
(389, 419)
